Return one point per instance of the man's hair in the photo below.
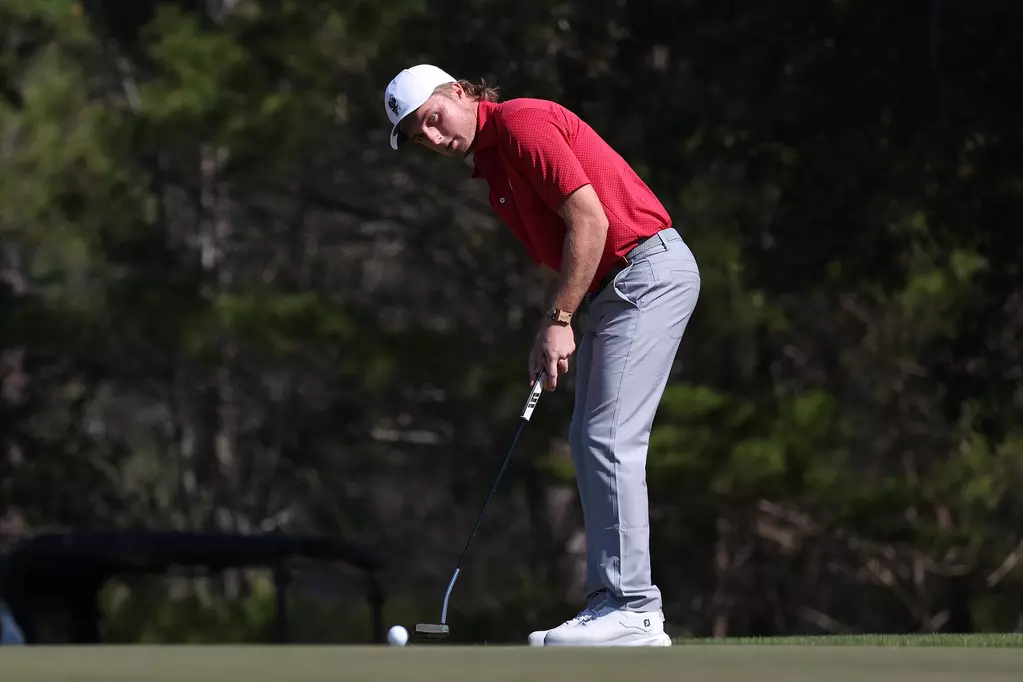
(477, 91)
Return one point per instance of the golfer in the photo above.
(586, 218)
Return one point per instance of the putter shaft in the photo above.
(527, 412)
(447, 595)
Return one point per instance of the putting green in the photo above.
(706, 663)
(942, 640)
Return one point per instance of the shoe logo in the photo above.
(646, 622)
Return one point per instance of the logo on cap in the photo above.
(393, 104)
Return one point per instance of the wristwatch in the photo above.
(559, 316)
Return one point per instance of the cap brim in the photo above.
(398, 138)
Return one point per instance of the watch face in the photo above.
(559, 315)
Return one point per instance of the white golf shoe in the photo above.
(536, 638)
(608, 626)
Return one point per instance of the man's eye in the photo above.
(432, 118)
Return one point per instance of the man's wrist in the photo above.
(559, 316)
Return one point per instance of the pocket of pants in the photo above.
(631, 283)
(671, 265)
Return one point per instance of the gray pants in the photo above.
(633, 331)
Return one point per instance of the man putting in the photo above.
(584, 216)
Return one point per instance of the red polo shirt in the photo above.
(533, 153)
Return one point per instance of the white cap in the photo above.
(407, 92)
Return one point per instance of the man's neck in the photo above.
(471, 152)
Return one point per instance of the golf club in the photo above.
(441, 630)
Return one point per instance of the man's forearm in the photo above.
(551, 291)
(584, 245)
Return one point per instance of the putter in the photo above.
(441, 630)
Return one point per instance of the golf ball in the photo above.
(397, 635)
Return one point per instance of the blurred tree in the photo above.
(228, 304)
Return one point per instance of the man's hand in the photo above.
(554, 344)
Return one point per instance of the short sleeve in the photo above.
(536, 144)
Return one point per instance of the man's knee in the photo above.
(592, 438)
(576, 440)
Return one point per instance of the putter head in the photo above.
(432, 630)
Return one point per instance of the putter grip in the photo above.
(534, 397)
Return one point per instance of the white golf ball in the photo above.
(397, 635)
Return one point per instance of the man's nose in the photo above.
(434, 136)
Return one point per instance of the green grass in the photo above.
(972, 641)
(981, 658)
